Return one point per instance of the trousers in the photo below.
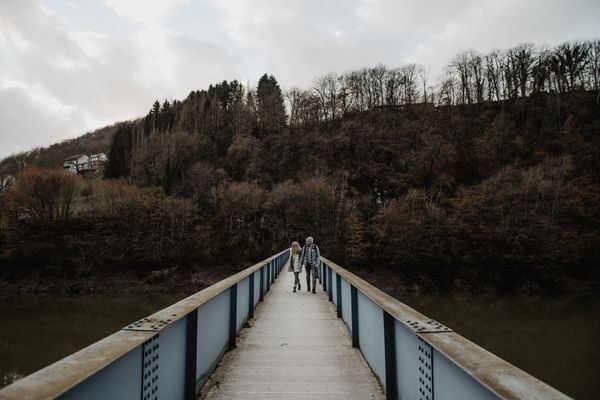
(311, 269)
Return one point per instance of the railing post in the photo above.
(321, 272)
(338, 294)
(325, 277)
(232, 316)
(426, 369)
(261, 289)
(251, 296)
(354, 307)
(389, 338)
(330, 287)
(191, 351)
(268, 276)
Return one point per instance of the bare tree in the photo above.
(593, 65)
(573, 56)
(326, 88)
(293, 97)
(493, 73)
(460, 66)
(423, 73)
(409, 82)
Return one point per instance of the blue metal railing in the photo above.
(171, 354)
(415, 357)
(168, 355)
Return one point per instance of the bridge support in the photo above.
(251, 297)
(389, 338)
(191, 355)
(354, 307)
(232, 316)
(262, 285)
(329, 288)
(338, 294)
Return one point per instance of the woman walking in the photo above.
(294, 263)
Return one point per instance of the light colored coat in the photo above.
(297, 266)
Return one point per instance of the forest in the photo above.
(484, 178)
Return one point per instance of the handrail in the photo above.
(497, 375)
(58, 378)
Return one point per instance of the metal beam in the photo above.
(251, 297)
(354, 307)
(330, 287)
(262, 284)
(232, 316)
(338, 294)
(389, 338)
(191, 353)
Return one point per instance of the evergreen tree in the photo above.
(271, 109)
(120, 152)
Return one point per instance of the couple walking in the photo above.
(307, 257)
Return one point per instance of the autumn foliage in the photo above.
(490, 178)
(41, 195)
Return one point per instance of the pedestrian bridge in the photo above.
(250, 337)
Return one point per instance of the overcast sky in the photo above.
(67, 67)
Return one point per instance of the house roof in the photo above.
(75, 157)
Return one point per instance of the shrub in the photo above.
(42, 194)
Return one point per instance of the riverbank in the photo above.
(171, 280)
(471, 281)
(398, 282)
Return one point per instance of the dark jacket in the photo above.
(310, 255)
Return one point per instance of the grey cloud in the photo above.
(98, 79)
(28, 124)
(94, 79)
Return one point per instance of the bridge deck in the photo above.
(296, 349)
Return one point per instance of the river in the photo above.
(36, 331)
(556, 340)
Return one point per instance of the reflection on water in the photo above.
(555, 340)
(37, 331)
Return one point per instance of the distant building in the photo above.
(97, 161)
(82, 163)
(6, 181)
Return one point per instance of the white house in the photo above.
(96, 161)
(82, 163)
(75, 163)
(6, 181)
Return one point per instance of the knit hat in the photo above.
(310, 240)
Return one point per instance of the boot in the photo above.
(314, 290)
(299, 288)
(294, 289)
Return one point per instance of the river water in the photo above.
(36, 331)
(556, 340)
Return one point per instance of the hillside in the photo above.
(53, 156)
(502, 195)
(483, 190)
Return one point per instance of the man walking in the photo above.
(310, 259)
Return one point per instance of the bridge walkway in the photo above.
(296, 349)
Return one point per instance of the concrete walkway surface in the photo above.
(294, 348)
